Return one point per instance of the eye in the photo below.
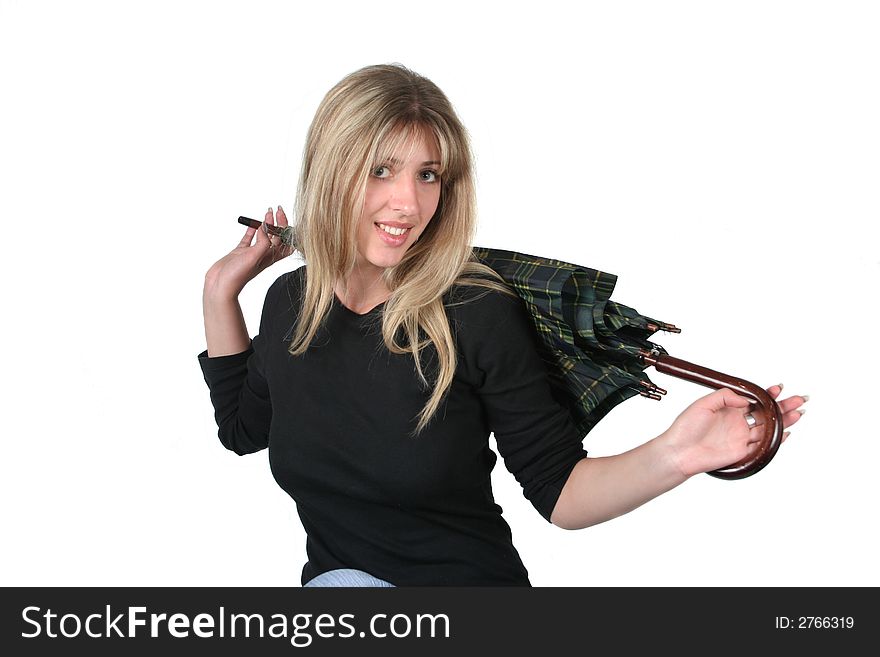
(380, 172)
(429, 176)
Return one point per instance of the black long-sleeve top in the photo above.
(415, 511)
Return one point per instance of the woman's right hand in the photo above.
(227, 277)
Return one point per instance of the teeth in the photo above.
(392, 231)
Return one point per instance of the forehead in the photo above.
(408, 142)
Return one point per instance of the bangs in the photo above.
(400, 141)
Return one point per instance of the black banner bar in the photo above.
(429, 621)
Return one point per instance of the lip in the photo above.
(394, 224)
(392, 240)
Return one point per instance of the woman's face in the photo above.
(401, 197)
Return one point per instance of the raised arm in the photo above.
(234, 372)
(711, 433)
(225, 329)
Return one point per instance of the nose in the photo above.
(404, 196)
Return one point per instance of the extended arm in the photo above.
(710, 434)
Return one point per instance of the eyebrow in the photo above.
(397, 162)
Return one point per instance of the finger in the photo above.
(263, 237)
(791, 418)
(753, 442)
(248, 237)
(282, 218)
(785, 434)
(270, 221)
(790, 410)
(792, 403)
(727, 398)
(775, 391)
(758, 414)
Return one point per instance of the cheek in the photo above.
(372, 203)
(430, 201)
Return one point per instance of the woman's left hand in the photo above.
(712, 433)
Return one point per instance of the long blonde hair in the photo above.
(361, 121)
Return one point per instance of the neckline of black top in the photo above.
(348, 311)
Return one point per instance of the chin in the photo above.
(386, 260)
(384, 263)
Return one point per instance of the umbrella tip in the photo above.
(651, 391)
(663, 326)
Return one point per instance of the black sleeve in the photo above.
(238, 388)
(534, 433)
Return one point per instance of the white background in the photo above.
(720, 158)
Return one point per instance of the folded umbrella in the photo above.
(597, 350)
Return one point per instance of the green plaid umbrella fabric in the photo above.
(590, 344)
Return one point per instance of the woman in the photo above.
(381, 367)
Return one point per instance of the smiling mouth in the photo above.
(391, 230)
(392, 236)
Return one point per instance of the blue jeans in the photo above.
(347, 577)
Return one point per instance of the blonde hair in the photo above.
(363, 120)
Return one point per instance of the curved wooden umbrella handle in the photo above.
(770, 415)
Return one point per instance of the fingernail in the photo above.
(801, 410)
(806, 398)
(786, 434)
(279, 209)
(269, 210)
(780, 386)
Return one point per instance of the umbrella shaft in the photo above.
(704, 376)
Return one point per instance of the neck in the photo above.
(364, 289)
